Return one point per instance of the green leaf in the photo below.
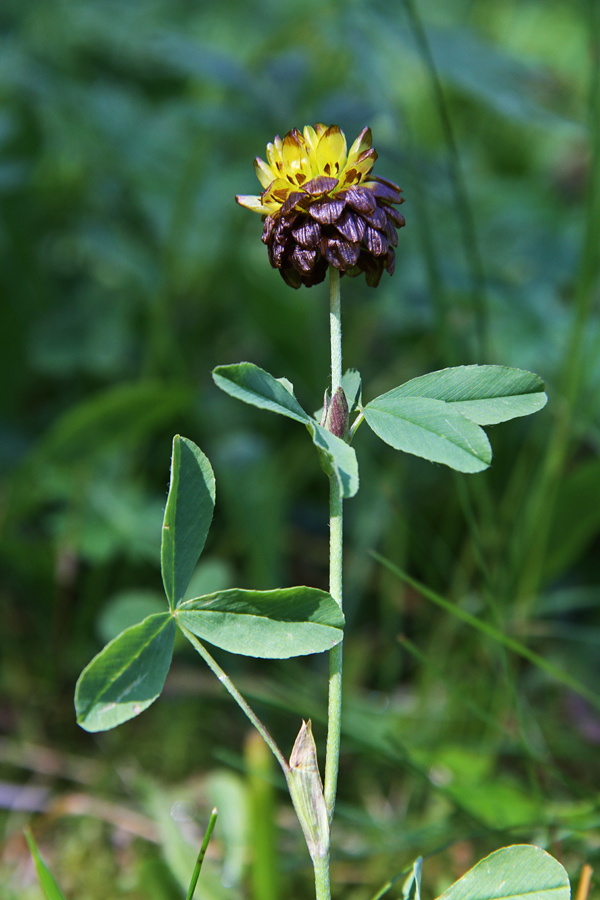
(255, 386)
(188, 515)
(352, 388)
(411, 889)
(247, 382)
(337, 458)
(267, 624)
(485, 394)
(431, 429)
(46, 879)
(522, 871)
(127, 676)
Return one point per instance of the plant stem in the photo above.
(335, 329)
(334, 713)
(356, 425)
(202, 854)
(322, 886)
(241, 702)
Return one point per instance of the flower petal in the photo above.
(265, 174)
(390, 262)
(372, 267)
(373, 274)
(360, 199)
(386, 181)
(294, 198)
(339, 252)
(331, 151)
(277, 192)
(274, 154)
(396, 217)
(276, 253)
(353, 173)
(308, 233)
(311, 138)
(390, 232)
(303, 259)
(326, 211)
(295, 157)
(377, 218)
(268, 226)
(320, 185)
(253, 203)
(351, 225)
(386, 190)
(363, 142)
(318, 273)
(376, 242)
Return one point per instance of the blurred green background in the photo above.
(127, 272)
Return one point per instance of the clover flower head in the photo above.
(321, 206)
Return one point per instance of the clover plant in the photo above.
(324, 213)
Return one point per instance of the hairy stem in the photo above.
(334, 715)
(335, 329)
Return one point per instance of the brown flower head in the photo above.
(321, 206)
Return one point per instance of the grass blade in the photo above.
(496, 635)
(202, 854)
(46, 879)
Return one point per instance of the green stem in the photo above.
(335, 329)
(334, 715)
(322, 886)
(201, 855)
(356, 425)
(241, 702)
(334, 711)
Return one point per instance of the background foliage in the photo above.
(127, 273)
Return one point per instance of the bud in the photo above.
(338, 415)
(306, 791)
